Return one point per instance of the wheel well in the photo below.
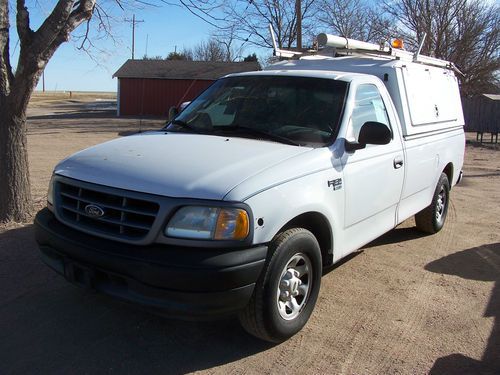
(318, 225)
(448, 170)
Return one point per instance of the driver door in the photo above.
(373, 176)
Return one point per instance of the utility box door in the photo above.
(433, 96)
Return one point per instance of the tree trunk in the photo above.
(15, 193)
(36, 49)
(15, 190)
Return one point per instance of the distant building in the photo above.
(482, 113)
(151, 87)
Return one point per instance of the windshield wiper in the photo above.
(183, 125)
(257, 132)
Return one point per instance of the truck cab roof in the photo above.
(303, 71)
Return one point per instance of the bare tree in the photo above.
(211, 50)
(475, 47)
(185, 54)
(16, 87)
(466, 32)
(248, 20)
(226, 38)
(356, 19)
(218, 48)
(347, 18)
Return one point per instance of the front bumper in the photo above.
(179, 281)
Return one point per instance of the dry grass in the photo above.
(49, 97)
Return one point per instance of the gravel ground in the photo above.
(404, 304)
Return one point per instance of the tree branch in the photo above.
(23, 23)
(53, 24)
(6, 76)
(66, 16)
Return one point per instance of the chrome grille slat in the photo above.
(123, 217)
(107, 205)
(110, 221)
(78, 203)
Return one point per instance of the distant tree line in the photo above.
(213, 50)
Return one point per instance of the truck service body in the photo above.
(198, 222)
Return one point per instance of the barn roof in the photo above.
(492, 96)
(181, 69)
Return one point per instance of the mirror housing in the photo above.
(371, 133)
(183, 106)
(172, 112)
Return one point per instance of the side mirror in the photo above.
(183, 106)
(371, 133)
(172, 112)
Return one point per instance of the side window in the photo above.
(368, 106)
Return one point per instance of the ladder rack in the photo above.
(350, 46)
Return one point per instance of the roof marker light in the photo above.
(398, 43)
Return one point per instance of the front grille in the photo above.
(123, 216)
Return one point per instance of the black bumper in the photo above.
(182, 282)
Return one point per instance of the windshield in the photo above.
(293, 110)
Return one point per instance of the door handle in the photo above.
(398, 162)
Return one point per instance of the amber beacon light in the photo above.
(398, 43)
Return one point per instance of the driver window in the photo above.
(368, 106)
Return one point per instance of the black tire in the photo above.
(267, 315)
(432, 218)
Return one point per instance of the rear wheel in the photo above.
(432, 218)
(285, 295)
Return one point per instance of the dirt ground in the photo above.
(404, 304)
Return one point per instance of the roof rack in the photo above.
(345, 45)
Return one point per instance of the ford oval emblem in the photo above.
(94, 211)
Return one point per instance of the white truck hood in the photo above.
(180, 165)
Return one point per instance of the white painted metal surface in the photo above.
(280, 182)
(176, 164)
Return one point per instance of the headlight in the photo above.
(50, 194)
(209, 223)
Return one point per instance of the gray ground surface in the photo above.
(405, 304)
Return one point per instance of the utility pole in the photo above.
(298, 14)
(133, 21)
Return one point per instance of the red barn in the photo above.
(151, 87)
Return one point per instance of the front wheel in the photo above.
(431, 219)
(285, 294)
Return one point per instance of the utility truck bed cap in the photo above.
(426, 96)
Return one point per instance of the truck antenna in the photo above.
(273, 38)
(282, 53)
(415, 55)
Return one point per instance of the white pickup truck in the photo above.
(237, 205)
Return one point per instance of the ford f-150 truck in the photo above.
(267, 177)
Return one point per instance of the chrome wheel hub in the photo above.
(441, 205)
(294, 286)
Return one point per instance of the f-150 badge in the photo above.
(337, 184)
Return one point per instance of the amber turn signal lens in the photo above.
(232, 224)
